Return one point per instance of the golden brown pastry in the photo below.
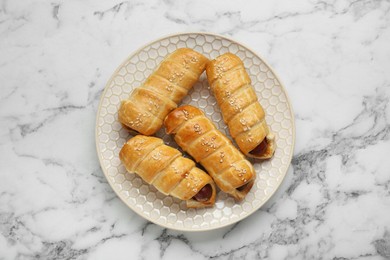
(198, 136)
(240, 108)
(148, 105)
(164, 167)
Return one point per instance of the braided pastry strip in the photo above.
(164, 167)
(144, 111)
(199, 137)
(240, 108)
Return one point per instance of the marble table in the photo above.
(333, 58)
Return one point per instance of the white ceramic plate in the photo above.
(146, 200)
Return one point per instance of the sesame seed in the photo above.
(240, 171)
(194, 59)
(185, 112)
(175, 169)
(221, 155)
(197, 128)
(169, 88)
(157, 156)
(185, 64)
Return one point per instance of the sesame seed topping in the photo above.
(221, 155)
(249, 139)
(209, 143)
(236, 105)
(176, 75)
(157, 156)
(185, 112)
(169, 88)
(175, 169)
(185, 64)
(194, 59)
(153, 105)
(244, 123)
(138, 145)
(226, 81)
(240, 172)
(197, 128)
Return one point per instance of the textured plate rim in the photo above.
(267, 198)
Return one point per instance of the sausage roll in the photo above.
(199, 137)
(241, 111)
(144, 111)
(166, 169)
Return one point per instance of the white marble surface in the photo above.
(334, 59)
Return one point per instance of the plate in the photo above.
(167, 211)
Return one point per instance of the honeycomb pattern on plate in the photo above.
(145, 199)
